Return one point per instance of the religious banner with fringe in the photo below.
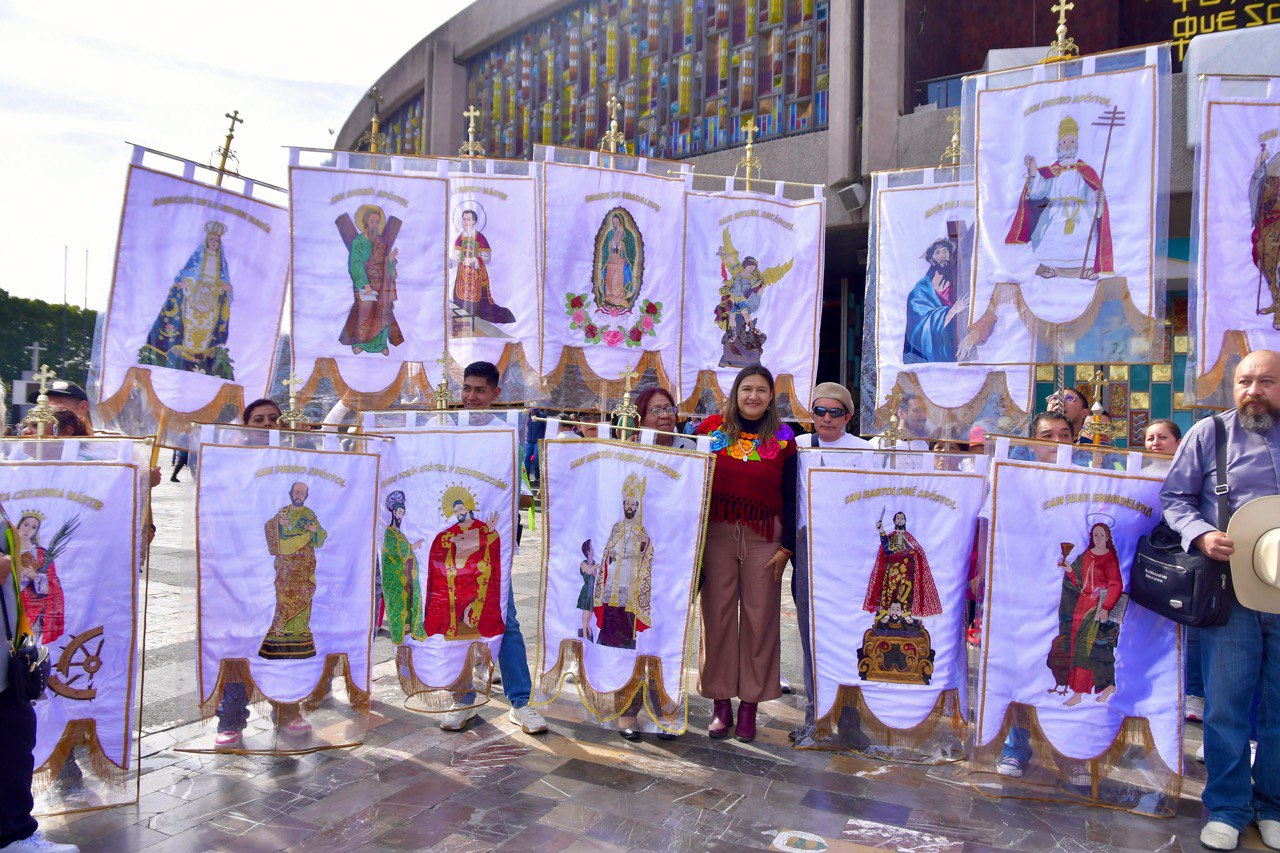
(753, 273)
(887, 550)
(285, 555)
(624, 529)
(77, 530)
(1071, 167)
(1079, 692)
(611, 278)
(447, 517)
(369, 252)
(1235, 291)
(196, 297)
(924, 351)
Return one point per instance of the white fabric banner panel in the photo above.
(923, 341)
(1061, 636)
(447, 514)
(285, 559)
(78, 534)
(753, 290)
(493, 279)
(889, 564)
(369, 256)
(196, 296)
(625, 526)
(612, 276)
(1070, 227)
(1236, 291)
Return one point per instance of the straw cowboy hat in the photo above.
(1255, 563)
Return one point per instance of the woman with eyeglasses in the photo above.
(658, 412)
(750, 538)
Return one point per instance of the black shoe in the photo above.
(629, 734)
(663, 735)
(174, 479)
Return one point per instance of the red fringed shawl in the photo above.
(748, 489)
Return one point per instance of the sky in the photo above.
(78, 79)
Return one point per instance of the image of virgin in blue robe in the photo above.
(929, 338)
(190, 332)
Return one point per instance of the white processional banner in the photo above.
(369, 259)
(447, 515)
(1061, 636)
(753, 291)
(493, 280)
(1070, 210)
(78, 528)
(625, 526)
(612, 274)
(889, 559)
(1236, 289)
(923, 341)
(285, 561)
(196, 298)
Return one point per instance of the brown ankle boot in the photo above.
(721, 719)
(746, 731)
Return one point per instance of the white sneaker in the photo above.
(37, 842)
(529, 720)
(1195, 709)
(1253, 753)
(1010, 766)
(456, 719)
(1270, 830)
(1200, 753)
(1217, 835)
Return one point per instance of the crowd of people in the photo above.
(1233, 672)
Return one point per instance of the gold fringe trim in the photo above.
(1210, 385)
(1059, 334)
(477, 656)
(576, 357)
(411, 377)
(139, 379)
(1134, 731)
(784, 384)
(608, 706)
(945, 713)
(76, 734)
(233, 670)
(958, 421)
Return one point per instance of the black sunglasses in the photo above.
(835, 411)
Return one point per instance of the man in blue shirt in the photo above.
(1245, 652)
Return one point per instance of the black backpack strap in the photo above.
(1222, 489)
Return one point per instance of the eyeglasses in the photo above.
(835, 411)
(663, 410)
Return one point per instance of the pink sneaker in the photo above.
(297, 726)
(231, 738)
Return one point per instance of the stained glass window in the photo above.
(403, 127)
(688, 73)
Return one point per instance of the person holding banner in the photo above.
(749, 541)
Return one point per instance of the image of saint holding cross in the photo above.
(1063, 211)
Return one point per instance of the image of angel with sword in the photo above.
(742, 286)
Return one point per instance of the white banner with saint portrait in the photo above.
(612, 273)
(77, 529)
(889, 554)
(493, 280)
(369, 260)
(753, 291)
(1071, 161)
(447, 515)
(285, 567)
(923, 343)
(1235, 295)
(1075, 679)
(625, 526)
(196, 298)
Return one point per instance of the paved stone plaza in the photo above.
(578, 787)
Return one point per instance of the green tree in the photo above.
(28, 321)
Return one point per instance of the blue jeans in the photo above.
(1240, 657)
(1194, 668)
(513, 660)
(1017, 745)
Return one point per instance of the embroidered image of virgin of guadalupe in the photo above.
(618, 268)
(1083, 655)
(190, 333)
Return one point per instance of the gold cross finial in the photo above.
(42, 413)
(292, 414)
(951, 157)
(1062, 47)
(750, 127)
(613, 109)
(749, 162)
(225, 153)
(626, 413)
(614, 138)
(44, 376)
(471, 148)
(441, 395)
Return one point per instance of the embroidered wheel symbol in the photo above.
(80, 654)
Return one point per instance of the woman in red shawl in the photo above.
(41, 591)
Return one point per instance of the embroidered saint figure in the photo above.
(464, 572)
(41, 591)
(1063, 213)
(741, 288)
(371, 263)
(626, 574)
(293, 535)
(190, 333)
(1264, 209)
(901, 589)
(588, 569)
(618, 266)
(471, 291)
(400, 588)
(1082, 657)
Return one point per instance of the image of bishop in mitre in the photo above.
(190, 333)
(464, 572)
(626, 574)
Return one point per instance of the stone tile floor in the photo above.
(411, 786)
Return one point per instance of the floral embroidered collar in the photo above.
(749, 447)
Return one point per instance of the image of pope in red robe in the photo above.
(1063, 213)
(1082, 657)
(901, 590)
(464, 574)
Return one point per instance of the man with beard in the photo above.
(293, 535)
(935, 310)
(901, 588)
(1244, 653)
(623, 588)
